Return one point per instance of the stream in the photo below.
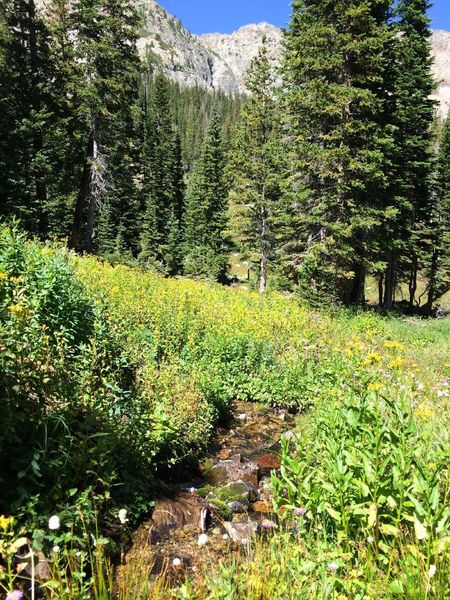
(221, 505)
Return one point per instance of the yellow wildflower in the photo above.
(375, 387)
(5, 522)
(424, 411)
(394, 345)
(372, 358)
(17, 309)
(398, 362)
(3, 276)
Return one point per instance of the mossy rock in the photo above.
(232, 492)
(222, 508)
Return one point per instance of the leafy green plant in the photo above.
(366, 474)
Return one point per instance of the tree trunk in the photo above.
(357, 293)
(264, 252)
(428, 307)
(380, 290)
(389, 285)
(83, 194)
(94, 190)
(413, 282)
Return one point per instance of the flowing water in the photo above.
(220, 506)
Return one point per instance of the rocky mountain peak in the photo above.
(237, 50)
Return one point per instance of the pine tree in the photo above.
(24, 117)
(334, 78)
(105, 33)
(206, 250)
(438, 267)
(254, 168)
(163, 188)
(410, 112)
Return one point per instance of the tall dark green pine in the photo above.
(411, 116)
(65, 138)
(334, 79)
(254, 167)
(161, 235)
(24, 117)
(106, 96)
(206, 248)
(438, 264)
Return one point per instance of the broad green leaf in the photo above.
(389, 530)
(419, 529)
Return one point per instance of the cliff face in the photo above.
(212, 61)
(236, 51)
(441, 69)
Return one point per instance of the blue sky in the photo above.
(224, 16)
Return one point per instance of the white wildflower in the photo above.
(202, 539)
(123, 516)
(176, 562)
(54, 523)
(431, 571)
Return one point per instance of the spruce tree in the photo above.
(334, 78)
(410, 113)
(24, 118)
(105, 48)
(438, 264)
(255, 170)
(161, 235)
(206, 248)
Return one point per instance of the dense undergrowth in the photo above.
(110, 375)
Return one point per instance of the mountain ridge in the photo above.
(219, 61)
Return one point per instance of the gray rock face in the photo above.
(212, 61)
(172, 48)
(440, 42)
(241, 533)
(233, 471)
(234, 53)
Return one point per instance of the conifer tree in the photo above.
(410, 112)
(24, 118)
(163, 188)
(254, 168)
(105, 33)
(334, 77)
(438, 267)
(206, 250)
